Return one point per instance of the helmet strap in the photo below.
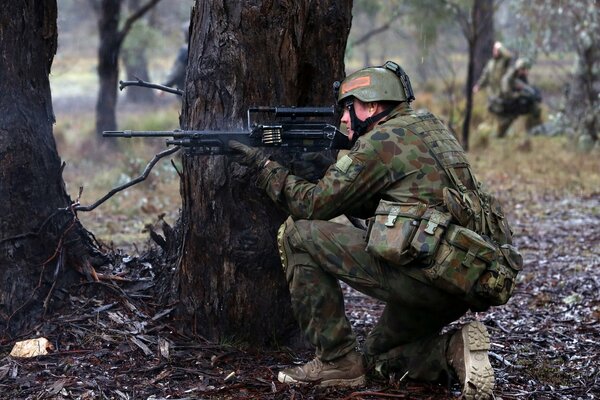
(360, 126)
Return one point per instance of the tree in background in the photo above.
(111, 40)
(229, 281)
(428, 19)
(554, 26)
(42, 244)
(476, 19)
(373, 10)
(135, 58)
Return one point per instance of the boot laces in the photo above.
(315, 365)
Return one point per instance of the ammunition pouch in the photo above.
(392, 229)
(469, 266)
(453, 258)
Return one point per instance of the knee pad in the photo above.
(291, 250)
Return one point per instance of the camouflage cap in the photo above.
(374, 84)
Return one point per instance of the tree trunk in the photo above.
(482, 16)
(583, 103)
(265, 53)
(108, 65)
(33, 232)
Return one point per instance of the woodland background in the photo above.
(112, 341)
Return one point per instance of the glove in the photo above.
(249, 156)
(312, 166)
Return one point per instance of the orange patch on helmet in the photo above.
(356, 83)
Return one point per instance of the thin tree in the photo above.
(477, 24)
(230, 281)
(111, 40)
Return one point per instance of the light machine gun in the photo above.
(290, 128)
(293, 129)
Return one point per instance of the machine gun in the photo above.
(290, 128)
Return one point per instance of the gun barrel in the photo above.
(130, 134)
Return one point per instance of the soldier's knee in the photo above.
(291, 238)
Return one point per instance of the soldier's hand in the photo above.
(250, 156)
(311, 166)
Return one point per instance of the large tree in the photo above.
(279, 52)
(40, 238)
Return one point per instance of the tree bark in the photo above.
(279, 52)
(34, 258)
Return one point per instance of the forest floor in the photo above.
(114, 342)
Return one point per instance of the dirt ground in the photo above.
(114, 342)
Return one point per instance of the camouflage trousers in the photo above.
(316, 255)
(532, 119)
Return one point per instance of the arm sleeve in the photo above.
(349, 183)
(484, 79)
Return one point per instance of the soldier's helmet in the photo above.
(386, 83)
(523, 62)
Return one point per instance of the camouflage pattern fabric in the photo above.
(390, 162)
(492, 74)
(316, 254)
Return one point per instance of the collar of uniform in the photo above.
(403, 108)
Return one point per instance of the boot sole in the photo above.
(479, 375)
(355, 382)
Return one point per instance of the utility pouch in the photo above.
(427, 238)
(497, 283)
(392, 229)
(460, 261)
(464, 207)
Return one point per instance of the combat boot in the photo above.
(468, 356)
(347, 371)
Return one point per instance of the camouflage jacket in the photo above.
(390, 162)
(492, 74)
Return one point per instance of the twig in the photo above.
(504, 360)
(376, 394)
(132, 182)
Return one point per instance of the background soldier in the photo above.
(519, 98)
(494, 70)
(400, 160)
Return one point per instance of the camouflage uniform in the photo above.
(520, 99)
(389, 162)
(492, 74)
